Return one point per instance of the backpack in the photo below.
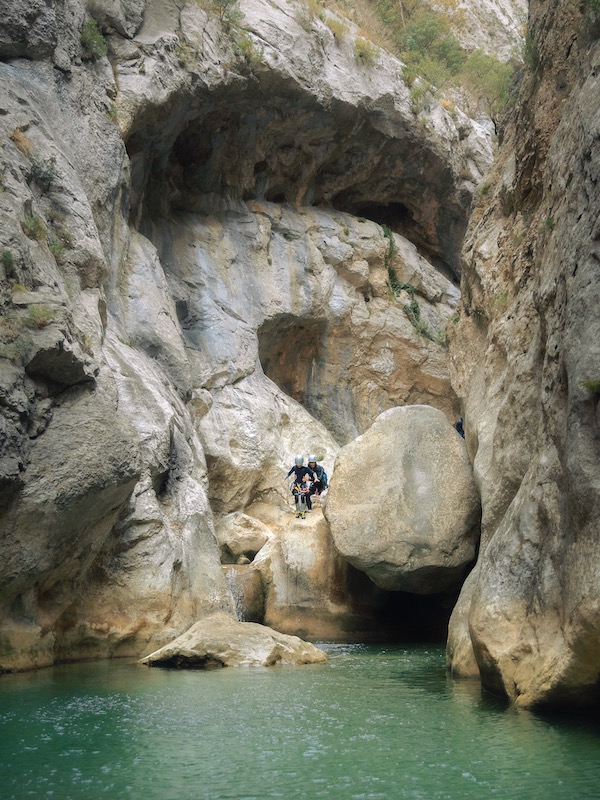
(323, 478)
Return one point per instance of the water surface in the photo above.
(375, 722)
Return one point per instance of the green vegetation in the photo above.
(592, 386)
(93, 43)
(58, 238)
(10, 329)
(422, 35)
(365, 52)
(549, 224)
(530, 52)
(305, 16)
(39, 316)
(338, 29)
(56, 247)
(186, 54)
(489, 80)
(395, 284)
(419, 95)
(43, 171)
(227, 11)
(34, 228)
(246, 48)
(8, 260)
(412, 309)
(111, 113)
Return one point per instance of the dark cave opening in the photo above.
(398, 617)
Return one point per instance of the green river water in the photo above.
(375, 722)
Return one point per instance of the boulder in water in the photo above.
(220, 641)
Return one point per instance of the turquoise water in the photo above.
(375, 722)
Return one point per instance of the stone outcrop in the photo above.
(219, 641)
(526, 364)
(240, 536)
(246, 584)
(309, 589)
(402, 503)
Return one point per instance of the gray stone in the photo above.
(402, 503)
(219, 641)
(525, 358)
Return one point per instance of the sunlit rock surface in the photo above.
(402, 503)
(219, 641)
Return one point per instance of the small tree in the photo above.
(92, 41)
(489, 80)
(228, 12)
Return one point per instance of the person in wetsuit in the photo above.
(300, 474)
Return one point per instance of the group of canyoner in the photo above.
(307, 482)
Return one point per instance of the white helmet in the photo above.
(299, 460)
(312, 458)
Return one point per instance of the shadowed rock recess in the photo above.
(222, 246)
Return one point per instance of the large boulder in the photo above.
(402, 502)
(220, 641)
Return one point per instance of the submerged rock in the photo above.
(219, 641)
(402, 502)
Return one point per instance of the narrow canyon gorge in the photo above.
(224, 243)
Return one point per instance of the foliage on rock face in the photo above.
(488, 79)
(365, 52)
(228, 11)
(93, 43)
(412, 309)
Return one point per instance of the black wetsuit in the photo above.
(300, 473)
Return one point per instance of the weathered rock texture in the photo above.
(526, 360)
(495, 26)
(188, 300)
(402, 503)
(219, 641)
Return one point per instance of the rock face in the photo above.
(402, 503)
(495, 26)
(240, 535)
(219, 641)
(188, 299)
(526, 363)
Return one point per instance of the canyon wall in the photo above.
(210, 234)
(526, 361)
(196, 286)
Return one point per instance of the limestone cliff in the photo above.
(526, 362)
(196, 285)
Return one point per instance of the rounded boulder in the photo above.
(402, 505)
